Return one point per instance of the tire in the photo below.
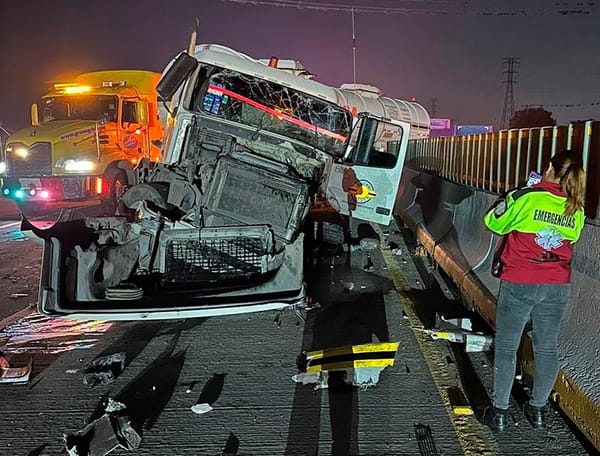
(118, 182)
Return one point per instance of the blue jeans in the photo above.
(545, 304)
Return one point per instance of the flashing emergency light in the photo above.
(21, 152)
(76, 89)
(32, 192)
(6, 191)
(44, 194)
(19, 193)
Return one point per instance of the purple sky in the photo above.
(454, 55)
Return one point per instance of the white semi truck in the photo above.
(217, 226)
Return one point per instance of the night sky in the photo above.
(449, 50)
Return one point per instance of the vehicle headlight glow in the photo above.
(79, 165)
(2, 167)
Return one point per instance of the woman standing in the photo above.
(541, 224)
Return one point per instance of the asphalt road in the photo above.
(243, 366)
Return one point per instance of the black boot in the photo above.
(495, 418)
(535, 415)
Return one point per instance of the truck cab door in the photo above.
(364, 184)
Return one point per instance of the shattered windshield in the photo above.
(269, 106)
(81, 107)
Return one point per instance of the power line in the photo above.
(566, 105)
(431, 7)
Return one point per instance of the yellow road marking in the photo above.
(470, 433)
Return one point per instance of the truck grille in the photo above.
(193, 260)
(37, 161)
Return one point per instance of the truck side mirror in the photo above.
(35, 118)
(141, 114)
(181, 68)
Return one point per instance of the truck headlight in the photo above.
(2, 167)
(79, 165)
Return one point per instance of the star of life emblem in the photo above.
(549, 238)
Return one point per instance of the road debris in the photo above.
(394, 248)
(201, 408)
(460, 323)
(104, 370)
(19, 295)
(474, 342)
(210, 393)
(420, 251)
(102, 436)
(348, 286)
(191, 387)
(367, 244)
(16, 370)
(277, 321)
(357, 365)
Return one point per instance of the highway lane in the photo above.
(243, 366)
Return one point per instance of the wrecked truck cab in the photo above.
(216, 228)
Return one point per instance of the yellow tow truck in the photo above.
(84, 140)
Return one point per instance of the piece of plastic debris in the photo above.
(190, 387)
(462, 410)
(201, 408)
(71, 371)
(348, 286)
(104, 370)
(461, 323)
(19, 295)
(477, 342)
(363, 287)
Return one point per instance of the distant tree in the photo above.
(531, 117)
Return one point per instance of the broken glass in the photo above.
(267, 106)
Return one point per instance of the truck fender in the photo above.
(126, 167)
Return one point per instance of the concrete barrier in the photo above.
(448, 220)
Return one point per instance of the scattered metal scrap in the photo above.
(474, 342)
(100, 437)
(104, 370)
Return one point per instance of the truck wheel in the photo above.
(32, 207)
(118, 185)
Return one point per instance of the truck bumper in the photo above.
(53, 188)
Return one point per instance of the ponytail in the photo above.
(573, 185)
(572, 179)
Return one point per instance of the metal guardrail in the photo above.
(502, 160)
